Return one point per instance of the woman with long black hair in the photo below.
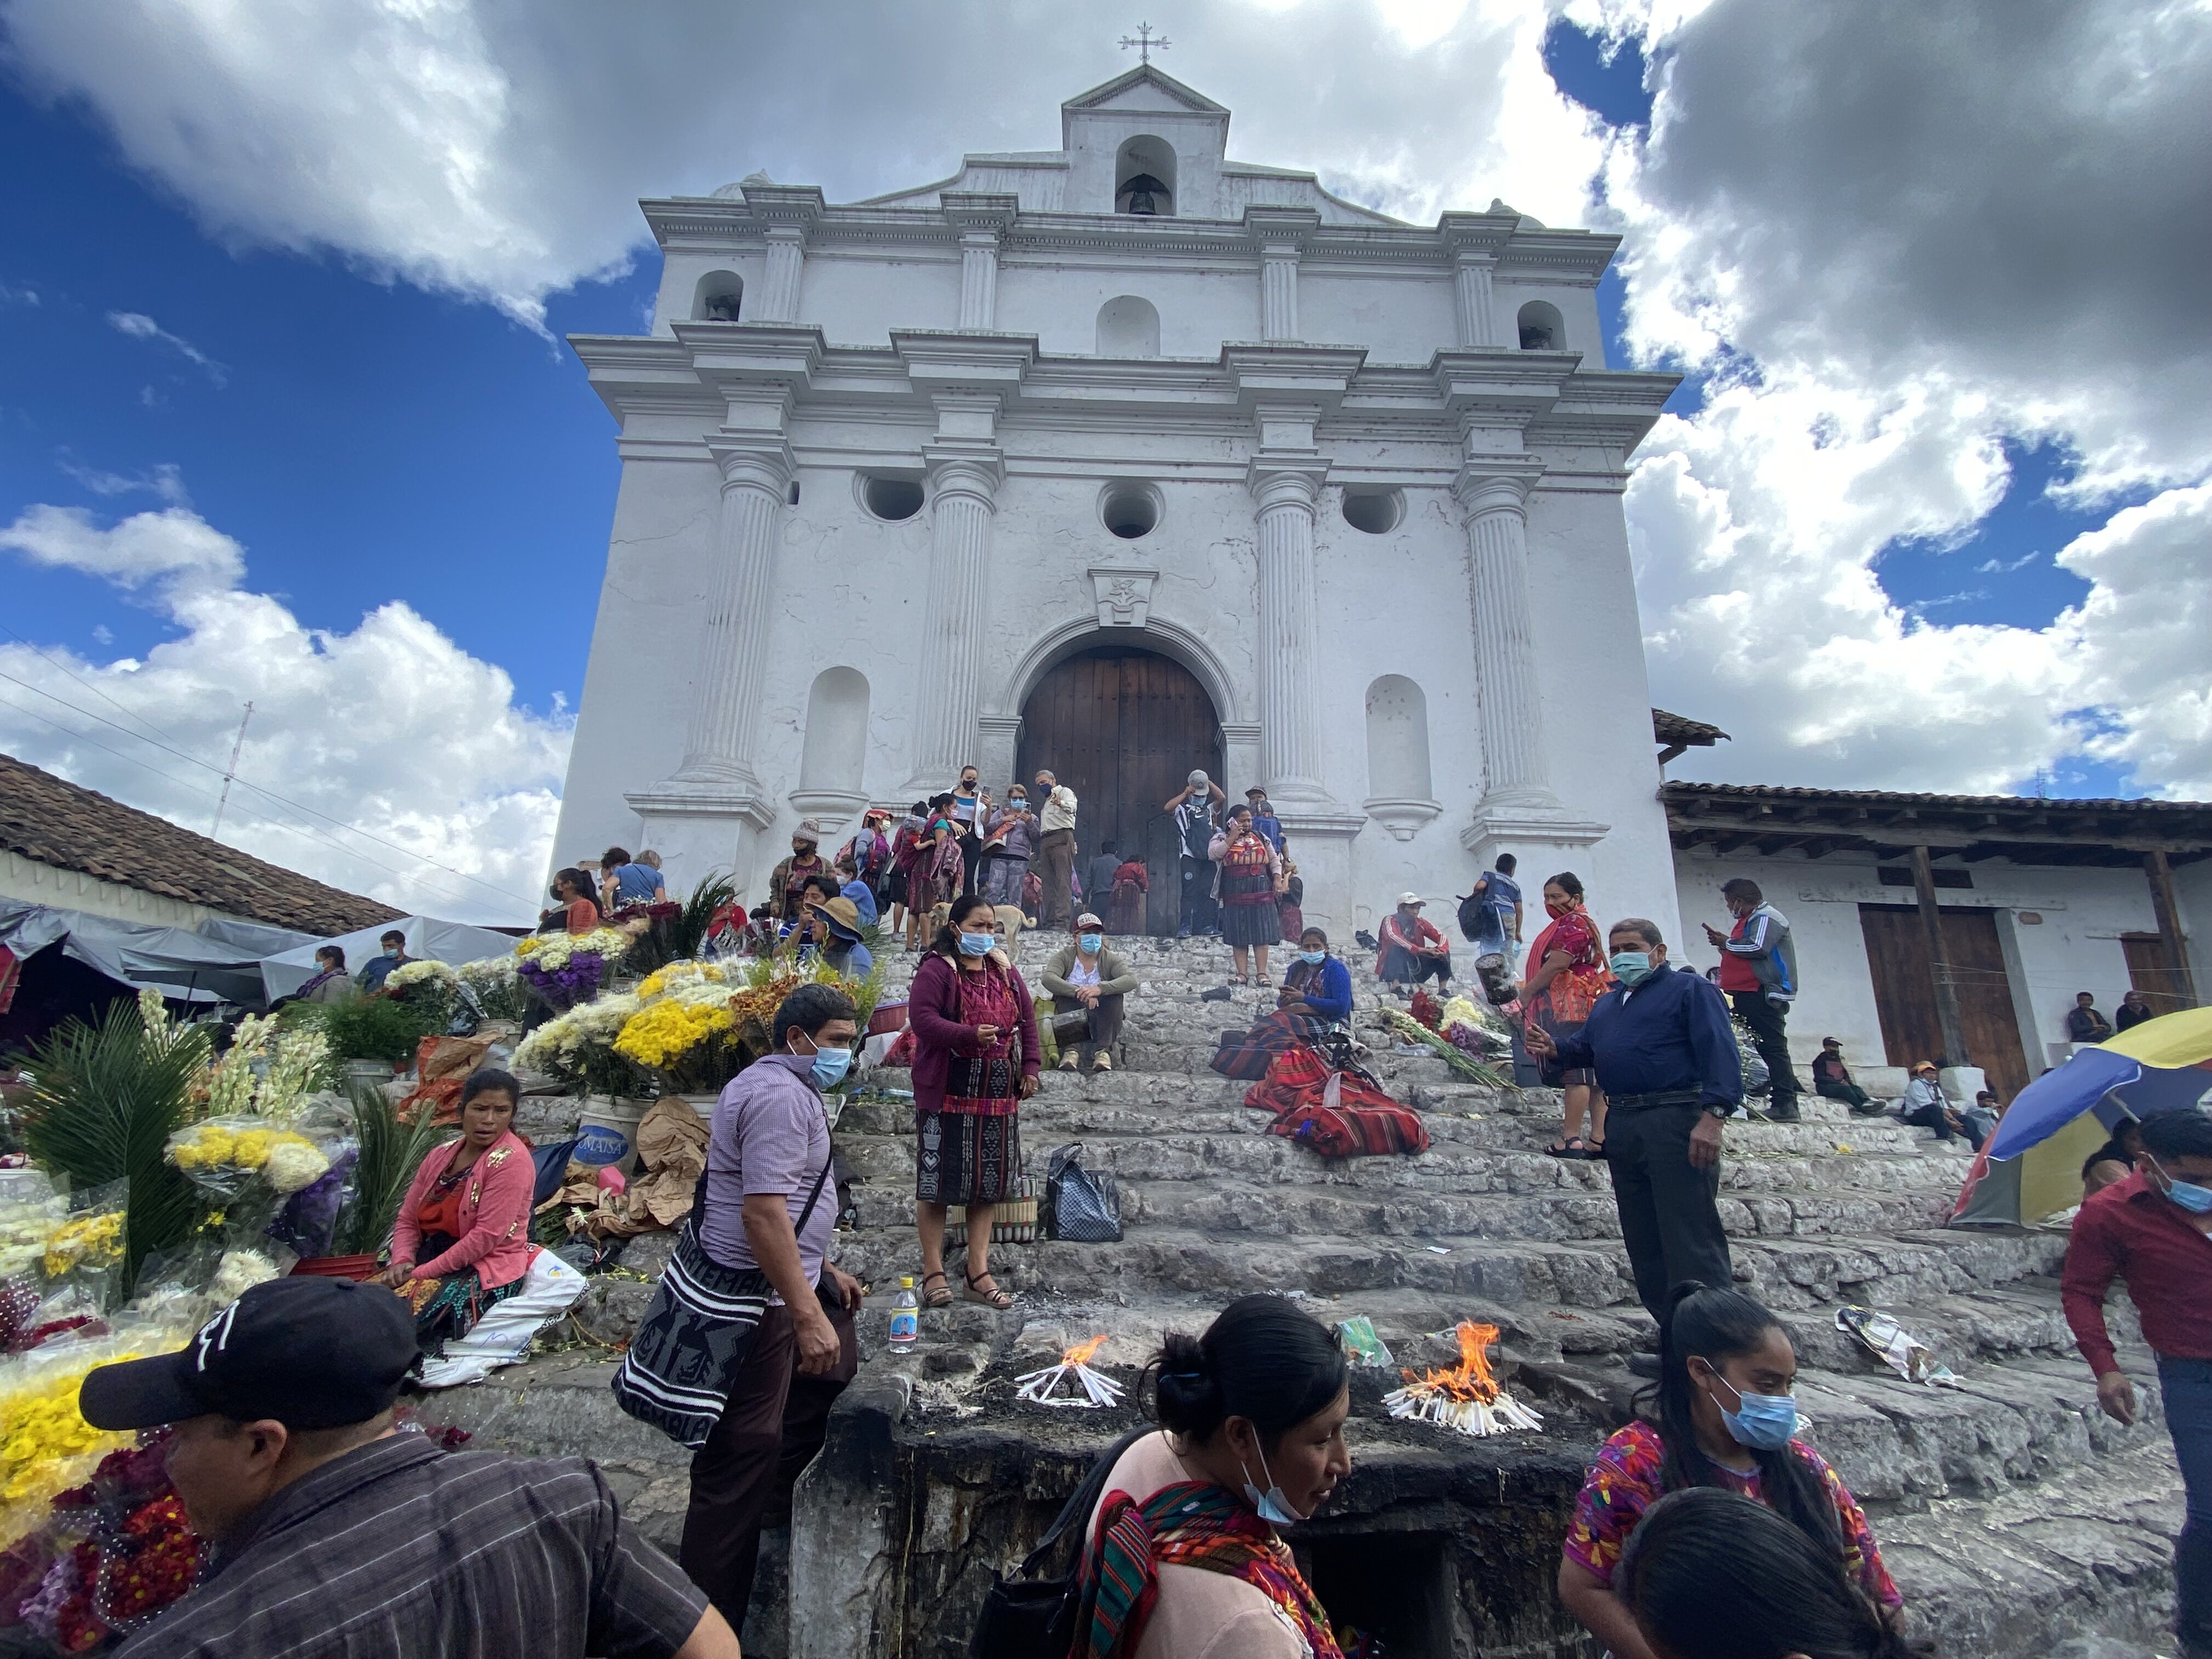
(1709, 1575)
(1181, 1559)
(1720, 1415)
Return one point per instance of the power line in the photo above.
(306, 830)
(297, 806)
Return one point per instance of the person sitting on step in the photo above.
(1087, 977)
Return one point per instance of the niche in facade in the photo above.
(1128, 327)
(1399, 790)
(836, 734)
(1376, 512)
(1129, 509)
(1541, 327)
(1144, 177)
(718, 298)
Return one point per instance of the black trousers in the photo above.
(1199, 908)
(1769, 1021)
(1669, 1216)
(1860, 1102)
(733, 1475)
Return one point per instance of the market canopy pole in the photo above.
(1939, 965)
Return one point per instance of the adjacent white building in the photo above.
(1124, 458)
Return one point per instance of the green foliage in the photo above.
(104, 1099)
(371, 1028)
(391, 1150)
(678, 938)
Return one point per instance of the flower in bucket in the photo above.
(578, 1047)
(678, 974)
(568, 968)
(689, 1036)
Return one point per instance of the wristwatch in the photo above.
(1721, 1109)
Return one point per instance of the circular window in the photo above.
(892, 498)
(1375, 511)
(1130, 510)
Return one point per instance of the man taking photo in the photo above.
(336, 1535)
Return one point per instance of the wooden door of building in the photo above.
(2151, 970)
(1123, 728)
(1904, 990)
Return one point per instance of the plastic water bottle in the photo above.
(906, 1316)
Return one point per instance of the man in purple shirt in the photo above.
(767, 1207)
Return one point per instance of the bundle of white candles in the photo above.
(1045, 1387)
(1466, 1397)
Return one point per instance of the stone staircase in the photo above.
(2013, 1514)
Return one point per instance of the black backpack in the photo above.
(1026, 1617)
(1470, 916)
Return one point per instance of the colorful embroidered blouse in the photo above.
(1624, 1481)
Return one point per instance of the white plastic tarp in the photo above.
(454, 942)
(220, 961)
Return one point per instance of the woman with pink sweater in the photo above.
(460, 1244)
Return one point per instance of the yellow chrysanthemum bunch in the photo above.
(663, 1032)
(679, 974)
(215, 1145)
(92, 1240)
(48, 1446)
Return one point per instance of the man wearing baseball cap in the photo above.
(1412, 950)
(335, 1533)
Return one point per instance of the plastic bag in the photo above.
(1086, 1209)
(1360, 1345)
(224, 1157)
(1890, 1342)
(85, 1248)
(30, 1210)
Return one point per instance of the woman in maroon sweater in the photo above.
(975, 1060)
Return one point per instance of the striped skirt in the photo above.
(967, 1157)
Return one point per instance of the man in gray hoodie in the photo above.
(1759, 971)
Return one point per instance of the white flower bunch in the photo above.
(555, 1046)
(416, 972)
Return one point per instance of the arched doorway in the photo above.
(1122, 727)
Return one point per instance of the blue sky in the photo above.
(369, 438)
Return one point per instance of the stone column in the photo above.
(726, 698)
(1287, 489)
(1512, 717)
(963, 481)
(1471, 276)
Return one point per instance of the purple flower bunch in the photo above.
(309, 1219)
(576, 981)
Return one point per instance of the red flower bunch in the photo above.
(154, 1563)
(1427, 1009)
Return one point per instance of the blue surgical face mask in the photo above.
(1313, 958)
(830, 1066)
(2192, 1197)
(1764, 1422)
(1270, 1504)
(1629, 967)
(977, 944)
(1090, 942)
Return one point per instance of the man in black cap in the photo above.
(335, 1533)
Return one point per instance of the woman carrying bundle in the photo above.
(1181, 1559)
(1721, 1416)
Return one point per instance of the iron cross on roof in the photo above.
(1144, 40)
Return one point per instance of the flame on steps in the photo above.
(1086, 1387)
(1081, 1353)
(1464, 1396)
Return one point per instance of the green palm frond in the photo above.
(391, 1150)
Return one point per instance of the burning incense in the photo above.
(1466, 1397)
(1097, 1390)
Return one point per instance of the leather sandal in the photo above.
(1574, 1146)
(995, 1298)
(939, 1298)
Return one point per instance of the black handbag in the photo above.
(1086, 1209)
(1025, 1617)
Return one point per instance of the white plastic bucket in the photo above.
(606, 1132)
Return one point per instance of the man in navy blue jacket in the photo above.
(1666, 1057)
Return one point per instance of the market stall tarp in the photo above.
(2178, 1042)
(220, 961)
(453, 942)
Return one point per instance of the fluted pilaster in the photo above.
(979, 280)
(1287, 491)
(787, 267)
(963, 501)
(726, 698)
(1471, 283)
(1512, 715)
(1279, 294)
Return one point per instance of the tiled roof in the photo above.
(1689, 733)
(71, 827)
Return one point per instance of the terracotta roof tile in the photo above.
(1677, 728)
(72, 828)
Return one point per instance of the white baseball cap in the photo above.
(1412, 899)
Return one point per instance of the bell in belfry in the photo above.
(1144, 194)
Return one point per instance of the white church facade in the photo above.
(1122, 459)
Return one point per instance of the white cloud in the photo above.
(389, 729)
(18, 296)
(1893, 237)
(140, 326)
(165, 480)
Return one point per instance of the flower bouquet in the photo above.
(567, 969)
(46, 1446)
(687, 1037)
(431, 990)
(578, 1049)
(498, 987)
(114, 1552)
(1461, 1062)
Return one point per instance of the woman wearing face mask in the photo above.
(1709, 1574)
(1182, 1544)
(1009, 844)
(1316, 994)
(1722, 1417)
(1250, 867)
(1085, 975)
(1570, 975)
(975, 1063)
